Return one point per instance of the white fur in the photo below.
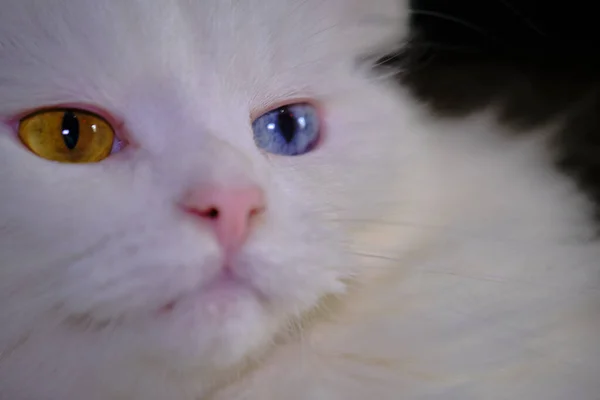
(405, 258)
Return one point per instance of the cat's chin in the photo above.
(217, 325)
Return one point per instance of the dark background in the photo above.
(531, 59)
(519, 28)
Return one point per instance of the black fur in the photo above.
(531, 85)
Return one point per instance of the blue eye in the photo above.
(289, 130)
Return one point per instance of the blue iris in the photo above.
(289, 130)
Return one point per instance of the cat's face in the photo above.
(118, 260)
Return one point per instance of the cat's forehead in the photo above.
(62, 44)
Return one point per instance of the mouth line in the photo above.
(224, 279)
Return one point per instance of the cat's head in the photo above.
(255, 152)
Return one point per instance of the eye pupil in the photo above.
(70, 129)
(288, 125)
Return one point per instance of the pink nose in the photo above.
(230, 211)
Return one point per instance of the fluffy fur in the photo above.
(405, 258)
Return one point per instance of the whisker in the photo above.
(405, 224)
(87, 252)
(428, 45)
(374, 256)
(528, 22)
(299, 5)
(5, 353)
(378, 19)
(458, 21)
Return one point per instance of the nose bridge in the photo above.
(205, 160)
(227, 163)
(194, 126)
(222, 189)
(192, 140)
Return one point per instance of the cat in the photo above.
(227, 200)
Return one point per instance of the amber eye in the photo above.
(67, 135)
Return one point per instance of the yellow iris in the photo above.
(67, 135)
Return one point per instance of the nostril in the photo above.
(256, 211)
(225, 206)
(206, 213)
(209, 213)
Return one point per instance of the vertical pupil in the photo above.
(70, 129)
(287, 124)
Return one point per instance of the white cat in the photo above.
(273, 219)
